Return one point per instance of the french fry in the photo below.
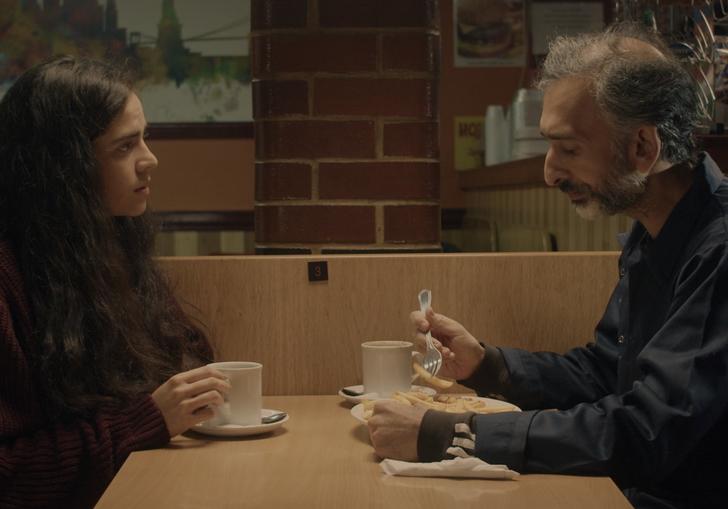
(402, 398)
(439, 383)
(412, 397)
(418, 395)
(367, 409)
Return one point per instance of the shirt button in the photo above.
(620, 339)
(621, 272)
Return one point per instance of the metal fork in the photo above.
(432, 360)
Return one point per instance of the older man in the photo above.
(647, 402)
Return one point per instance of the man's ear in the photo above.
(644, 149)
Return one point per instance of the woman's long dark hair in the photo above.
(105, 326)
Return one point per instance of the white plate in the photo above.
(358, 410)
(374, 396)
(236, 430)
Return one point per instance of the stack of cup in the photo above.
(526, 116)
(497, 135)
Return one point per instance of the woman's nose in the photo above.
(150, 161)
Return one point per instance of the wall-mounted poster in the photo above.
(549, 19)
(468, 143)
(489, 33)
(191, 57)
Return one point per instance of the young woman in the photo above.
(96, 358)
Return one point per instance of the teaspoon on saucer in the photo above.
(279, 416)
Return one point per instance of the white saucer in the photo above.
(236, 430)
(374, 396)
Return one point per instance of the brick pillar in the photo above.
(346, 125)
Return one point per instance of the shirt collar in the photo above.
(713, 175)
(664, 251)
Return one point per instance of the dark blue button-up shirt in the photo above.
(647, 402)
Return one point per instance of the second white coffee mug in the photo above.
(243, 403)
(387, 366)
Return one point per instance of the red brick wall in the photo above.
(346, 125)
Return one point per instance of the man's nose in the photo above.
(552, 174)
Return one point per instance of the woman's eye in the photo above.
(126, 147)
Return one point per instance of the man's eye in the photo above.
(569, 151)
(126, 147)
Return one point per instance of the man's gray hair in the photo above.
(632, 84)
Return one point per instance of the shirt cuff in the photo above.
(492, 376)
(436, 433)
(501, 438)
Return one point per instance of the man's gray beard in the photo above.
(622, 190)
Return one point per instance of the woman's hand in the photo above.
(461, 352)
(188, 398)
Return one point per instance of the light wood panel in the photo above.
(548, 209)
(322, 459)
(308, 335)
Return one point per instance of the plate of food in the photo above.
(443, 402)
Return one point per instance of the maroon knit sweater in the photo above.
(46, 465)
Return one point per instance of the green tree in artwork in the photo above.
(169, 42)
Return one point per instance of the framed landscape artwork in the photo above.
(190, 57)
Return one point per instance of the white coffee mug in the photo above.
(243, 403)
(387, 366)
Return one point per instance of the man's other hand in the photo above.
(393, 430)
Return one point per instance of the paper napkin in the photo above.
(459, 467)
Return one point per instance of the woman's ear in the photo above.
(644, 149)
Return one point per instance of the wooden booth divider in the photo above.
(307, 334)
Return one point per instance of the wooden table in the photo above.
(322, 458)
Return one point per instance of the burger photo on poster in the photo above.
(482, 28)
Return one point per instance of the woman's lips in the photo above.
(142, 190)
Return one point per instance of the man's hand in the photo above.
(187, 398)
(461, 352)
(393, 430)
